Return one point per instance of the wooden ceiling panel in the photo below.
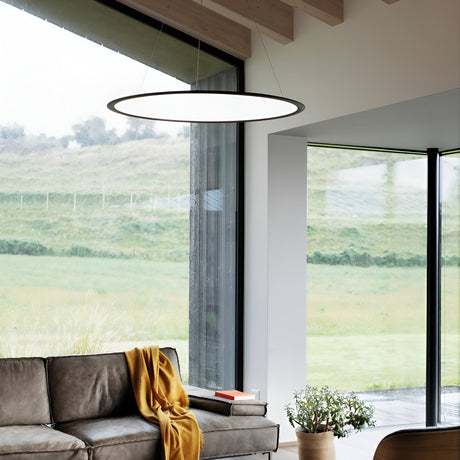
(270, 17)
(199, 22)
(328, 11)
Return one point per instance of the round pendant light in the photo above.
(198, 106)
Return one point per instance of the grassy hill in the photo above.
(373, 204)
(127, 200)
(147, 166)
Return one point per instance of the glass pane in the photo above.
(450, 290)
(366, 277)
(94, 207)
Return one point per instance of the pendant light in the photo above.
(205, 106)
(198, 106)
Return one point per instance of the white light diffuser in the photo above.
(205, 106)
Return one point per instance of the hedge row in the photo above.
(34, 248)
(83, 251)
(29, 248)
(364, 259)
(346, 257)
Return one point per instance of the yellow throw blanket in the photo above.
(162, 399)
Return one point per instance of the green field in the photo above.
(366, 327)
(55, 305)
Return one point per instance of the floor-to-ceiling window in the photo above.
(366, 277)
(100, 214)
(450, 289)
(368, 315)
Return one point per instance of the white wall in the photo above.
(286, 318)
(381, 54)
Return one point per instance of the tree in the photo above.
(94, 132)
(14, 131)
(65, 140)
(140, 129)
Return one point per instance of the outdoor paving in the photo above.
(407, 406)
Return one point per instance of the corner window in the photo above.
(368, 312)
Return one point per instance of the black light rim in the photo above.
(299, 106)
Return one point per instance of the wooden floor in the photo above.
(359, 446)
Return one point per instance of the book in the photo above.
(234, 395)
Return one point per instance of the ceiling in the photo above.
(426, 122)
(227, 24)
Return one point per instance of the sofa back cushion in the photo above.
(91, 386)
(23, 392)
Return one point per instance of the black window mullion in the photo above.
(433, 351)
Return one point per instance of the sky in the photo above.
(51, 79)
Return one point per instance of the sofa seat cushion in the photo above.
(127, 437)
(227, 436)
(39, 442)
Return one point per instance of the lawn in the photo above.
(54, 305)
(384, 361)
(366, 327)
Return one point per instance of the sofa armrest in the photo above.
(200, 398)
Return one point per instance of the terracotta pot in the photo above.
(315, 446)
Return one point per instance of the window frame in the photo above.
(238, 64)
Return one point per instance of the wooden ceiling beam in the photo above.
(199, 22)
(328, 11)
(271, 17)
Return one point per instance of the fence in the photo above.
(131, 200)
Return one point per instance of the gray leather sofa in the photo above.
(82, 407)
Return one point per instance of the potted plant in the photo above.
(319, 414)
